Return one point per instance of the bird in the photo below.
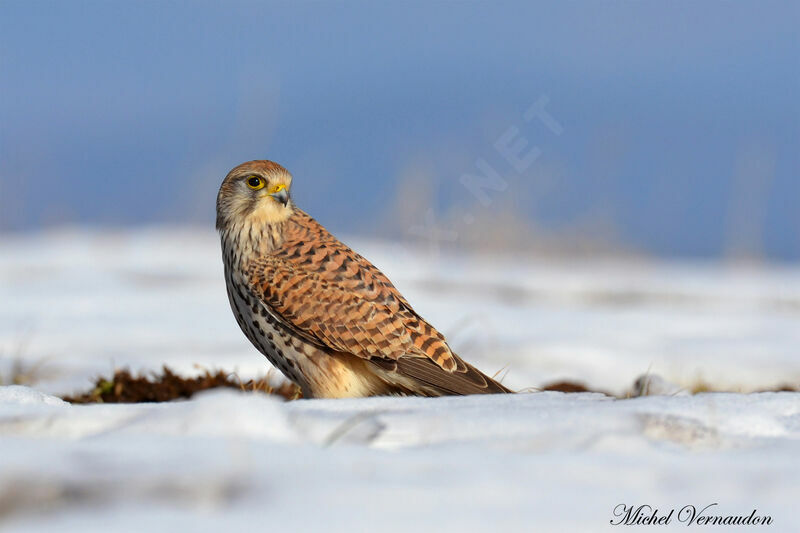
(322, 314)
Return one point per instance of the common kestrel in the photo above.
(322, 314)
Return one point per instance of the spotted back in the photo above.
(324, 290)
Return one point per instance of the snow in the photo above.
(16, 395)
(75, 304)
(534, 461)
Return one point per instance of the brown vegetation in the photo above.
(127, 388)
(124, 387)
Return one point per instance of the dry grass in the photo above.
(124, 387)
(701, 386)
(698, 387)
(22, 373)
(21, 370)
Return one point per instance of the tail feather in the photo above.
(429, 379)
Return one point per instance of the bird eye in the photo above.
(255, 183)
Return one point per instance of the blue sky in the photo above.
(681, 120)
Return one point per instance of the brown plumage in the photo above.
(325, 316)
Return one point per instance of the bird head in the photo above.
(256, 192)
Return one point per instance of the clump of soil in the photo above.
(784, 388)
(566, 386)
(124, 387)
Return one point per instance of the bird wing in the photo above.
(333, 297)
(325, 291)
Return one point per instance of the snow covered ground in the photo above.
(77, 304)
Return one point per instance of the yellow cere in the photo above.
(277, 188)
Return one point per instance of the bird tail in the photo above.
(423, 377)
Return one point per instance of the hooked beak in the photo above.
(280, 193)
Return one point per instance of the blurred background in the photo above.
(670, 130)
(581, 195)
